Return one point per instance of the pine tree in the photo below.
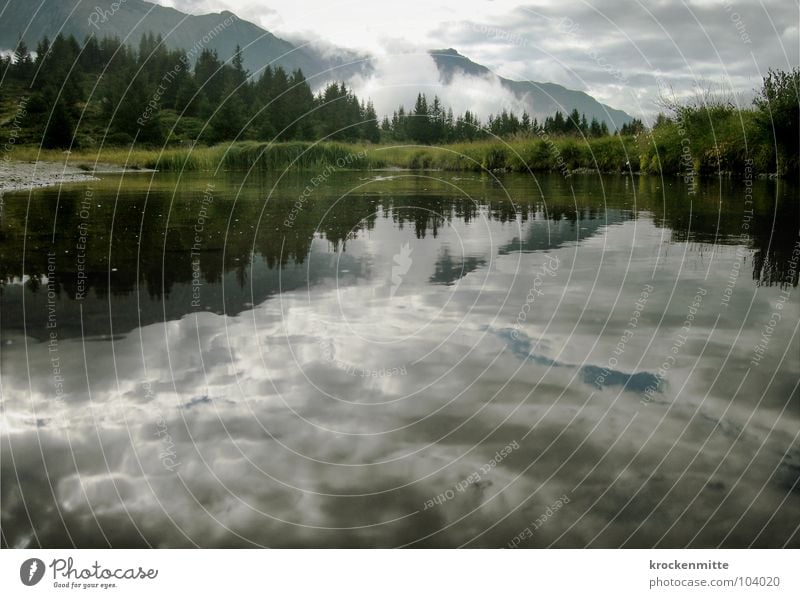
(209, 75)
(436, 118)
(133, 116)
(526, 122)
(228, 121)
(574, 124)
(187, 99)
(418, 129)
(300, 104)
(23, 63)
(60, 128)
(559, 125)
(449, 125)
(43, 51)
(370, 130)
(237, 62)
(594, 128)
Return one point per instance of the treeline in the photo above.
(69, 95)
(107, 90)
(429, 122)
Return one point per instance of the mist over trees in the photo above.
(108, 91)
(105, 92)
(429, 122)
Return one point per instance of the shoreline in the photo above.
(23, 176)
(19, 175)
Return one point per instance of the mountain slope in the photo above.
(540, 98)
(34, 19)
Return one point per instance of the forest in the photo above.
(105, 93)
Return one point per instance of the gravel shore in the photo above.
(15, 176)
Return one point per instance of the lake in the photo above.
(383, 359)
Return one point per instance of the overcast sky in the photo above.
(619, 52)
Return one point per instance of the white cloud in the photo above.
(398, 78)
(685, 42)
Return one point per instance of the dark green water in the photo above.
(400, 359)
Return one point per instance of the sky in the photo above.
(625, 54)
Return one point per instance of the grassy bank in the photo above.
(660, 152)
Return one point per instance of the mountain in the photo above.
(35, 19)
(542, 99)
(129, 19)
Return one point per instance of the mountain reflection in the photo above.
(257, 370)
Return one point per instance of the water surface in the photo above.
(400, 359)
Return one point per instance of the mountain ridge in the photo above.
(541, 98)
(132, 18)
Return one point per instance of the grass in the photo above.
(659, 152)
(708, 142)
(226, 156)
